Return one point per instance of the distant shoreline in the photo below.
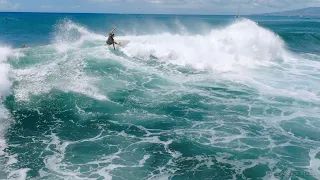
(311, 12)
(306, 12)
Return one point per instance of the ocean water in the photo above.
(190, 97)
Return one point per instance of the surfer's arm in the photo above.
(113, 30)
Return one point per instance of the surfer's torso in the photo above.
(110, 40)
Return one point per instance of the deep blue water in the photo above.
(190, 97)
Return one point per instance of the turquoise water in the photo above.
(190, 97)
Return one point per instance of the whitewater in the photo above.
(230, 101)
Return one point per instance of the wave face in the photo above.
(190, 97)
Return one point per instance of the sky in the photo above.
(220, 7)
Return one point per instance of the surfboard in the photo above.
(122, 42)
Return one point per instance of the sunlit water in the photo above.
(190, 97)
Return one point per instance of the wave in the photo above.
(243, 44)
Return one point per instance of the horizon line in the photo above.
(111, 13)
(182, 14)
(62, 12)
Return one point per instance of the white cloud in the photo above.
(7, 5)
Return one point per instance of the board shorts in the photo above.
(109, 41)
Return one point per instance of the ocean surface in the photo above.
(190, 97)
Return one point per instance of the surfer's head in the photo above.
(111, 34)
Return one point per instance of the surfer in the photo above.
(111, 39)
